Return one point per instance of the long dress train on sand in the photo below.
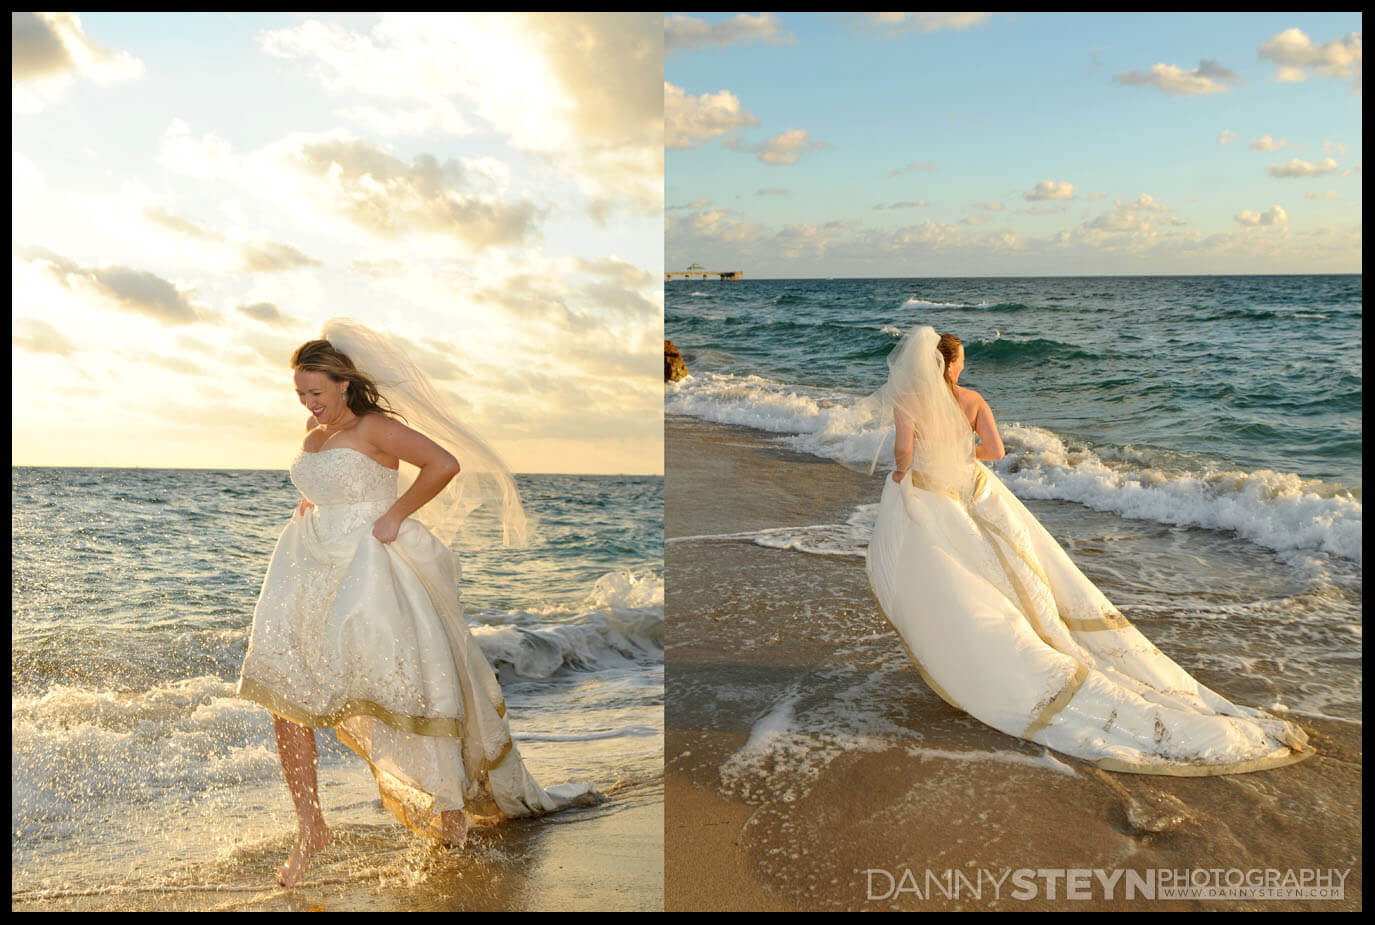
(369, 638)
(1003, 626)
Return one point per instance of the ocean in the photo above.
(137, 773)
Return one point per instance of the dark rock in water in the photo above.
(674, 367)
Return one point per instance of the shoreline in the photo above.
(802, 749)
(607, 857)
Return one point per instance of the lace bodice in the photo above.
(347, 487)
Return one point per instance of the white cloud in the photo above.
(1208, 77)
(1329, 194)
(1141, 235)
(267, 313)
(49, 49)
(975, 219)
(1266, 143)
(342, 176)
(440, 116)
(1136, 218)
(1295, 55)
(1332, 147)
(683, 33)
(579, 89)
(252, 255)
(905, 204)
(37, 336)
(913, 167)
(1298, 168)
(990, 206)
(121, 287)
(930, 22)
(1049, 189)
(772, 191)
(1227, 137)
(786, 147)
(1275, 215)
(388, 197)
(690, 120)
(208, 157)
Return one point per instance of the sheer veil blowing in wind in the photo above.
(917, 396)
(483, 481)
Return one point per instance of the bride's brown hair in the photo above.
(320, 356)
(949, 346)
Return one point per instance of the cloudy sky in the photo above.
(195, 194)
(972, 144)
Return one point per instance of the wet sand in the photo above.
(602, 858)
(806, 761)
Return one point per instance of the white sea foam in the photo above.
(72, 745)
(632, 731)
(914, 302)
(1274, 509)
(1044, 761)
(1277, 510)
(621, 619)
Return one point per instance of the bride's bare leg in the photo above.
(453, 828)
(296, 748)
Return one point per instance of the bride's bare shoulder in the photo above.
(376, 425)
(970, 397)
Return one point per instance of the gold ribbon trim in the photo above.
(419, 725)
(925, 676)
(1208, 770)
(1108, 620)
(1059, 702)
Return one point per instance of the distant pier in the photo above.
(704, 274)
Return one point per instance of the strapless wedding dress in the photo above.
(1003, 626)
(369, 638)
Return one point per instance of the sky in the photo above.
(195, 194)
(1028, 144)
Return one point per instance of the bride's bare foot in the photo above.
(452, 828)
(307, 843)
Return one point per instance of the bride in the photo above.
(999, 621)
(358, 626)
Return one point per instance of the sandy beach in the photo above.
(806, 761)
(606, 857)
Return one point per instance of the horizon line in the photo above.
(746, 279)
(14, 465)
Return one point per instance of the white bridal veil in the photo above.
(916, 388)
(483, 480)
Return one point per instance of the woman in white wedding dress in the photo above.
(358, 626)
(1003, 626)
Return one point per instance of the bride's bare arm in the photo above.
(437, 466)
(902, 444)
(991, 444)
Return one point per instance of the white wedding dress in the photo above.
(369, 638)
(1003, 626)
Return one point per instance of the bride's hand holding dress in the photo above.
(383, 438)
